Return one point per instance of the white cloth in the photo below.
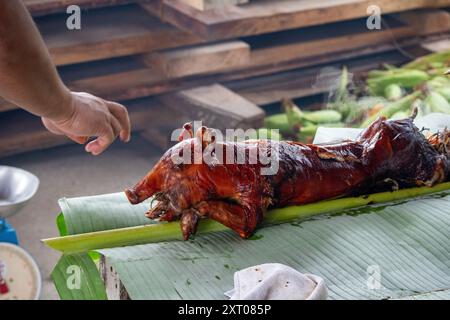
(275, 281)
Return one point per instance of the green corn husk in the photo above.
(373, 74)
(437, 65)
(406, 79)
(341, 92)
(292, 114)
(368, 102)
(322, 116)
(378, 73)
(403, 104)
(297, 117)
(438, 82)
(422, 108)
(445, 92)
(393, 92)
(265, 133)
(438, 103)
(437, 72)
(278, 121)
(400, 115)
(424, 63)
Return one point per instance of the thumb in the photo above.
(102, 142)
(78, 139)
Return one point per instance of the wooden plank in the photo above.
(115, 290)
(427, 21)
(109, 32)
(42, 7)
(144, 81)
(21, 132)
(265, 90)
(183, 62)
(128, 78)
(210, 4)
(312, 41)
(105, 77)
(216, 106)
(268, 16)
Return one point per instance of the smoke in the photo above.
(328, 80)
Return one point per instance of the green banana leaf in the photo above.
(77, 277)
(97, 213)
(407, 242)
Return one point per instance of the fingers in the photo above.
(115, 126)
(102, 142)
(121, 114)
(93, 117)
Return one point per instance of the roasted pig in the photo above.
(388, 154)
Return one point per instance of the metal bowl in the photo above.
(17, 187)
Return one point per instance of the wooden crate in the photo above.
(167, 74)
(265, 16)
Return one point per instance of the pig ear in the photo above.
(187, 132)
(206, 136)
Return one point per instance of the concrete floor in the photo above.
(69, 172)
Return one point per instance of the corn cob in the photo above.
(293, 114)
(400, 115)
(297, 116)
(445, 92)
(438, 82)
(278, 121)
(393, 92)
(341, 92)
(400, 105)
(322, 116)
(405, 79)
(422, 108)
(373, 74)
(389, 71)
(438, 103)
(368, 102)
(424, 63)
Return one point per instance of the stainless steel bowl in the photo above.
(17, 187)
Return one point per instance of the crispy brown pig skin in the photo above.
(387, 153)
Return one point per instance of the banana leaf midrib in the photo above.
(160, 232)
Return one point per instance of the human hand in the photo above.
(89, 116)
